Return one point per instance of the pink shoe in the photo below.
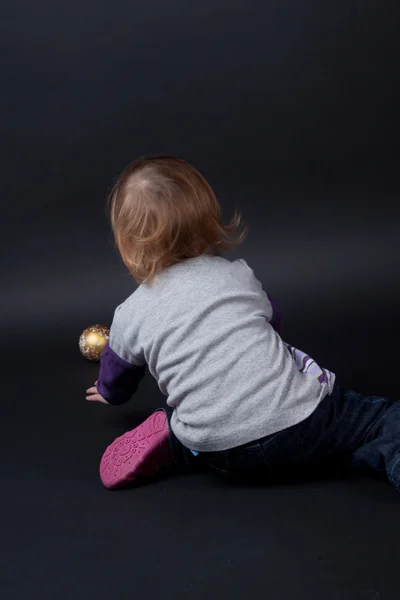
(142, 452)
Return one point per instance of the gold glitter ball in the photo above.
(93, 340)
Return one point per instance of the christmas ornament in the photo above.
(92, 341)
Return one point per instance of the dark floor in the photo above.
(186, 537)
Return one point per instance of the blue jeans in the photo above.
(347, 429)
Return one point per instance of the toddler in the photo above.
(239, 399)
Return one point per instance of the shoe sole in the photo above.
(140, 453)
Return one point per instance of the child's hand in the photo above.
(94, 396)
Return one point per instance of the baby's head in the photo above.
(164, 212)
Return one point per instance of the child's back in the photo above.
(203, 328)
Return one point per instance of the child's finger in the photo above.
(96, 398)
(93, 398)
(92, 390)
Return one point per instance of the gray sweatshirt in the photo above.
(208, 334)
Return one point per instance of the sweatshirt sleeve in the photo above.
(120, 371)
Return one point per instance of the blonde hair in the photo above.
(163, 212)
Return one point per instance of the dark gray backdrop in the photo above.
(291, 110)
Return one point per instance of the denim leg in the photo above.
(347, 429)
(243, 462)
(380, 450)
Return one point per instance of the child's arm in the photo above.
(277, 319)
(118, 380)
(120, 371)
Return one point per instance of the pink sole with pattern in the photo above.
(138, 454)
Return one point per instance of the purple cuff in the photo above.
(277, 319)
(118, 380)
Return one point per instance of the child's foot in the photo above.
(140, 453)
